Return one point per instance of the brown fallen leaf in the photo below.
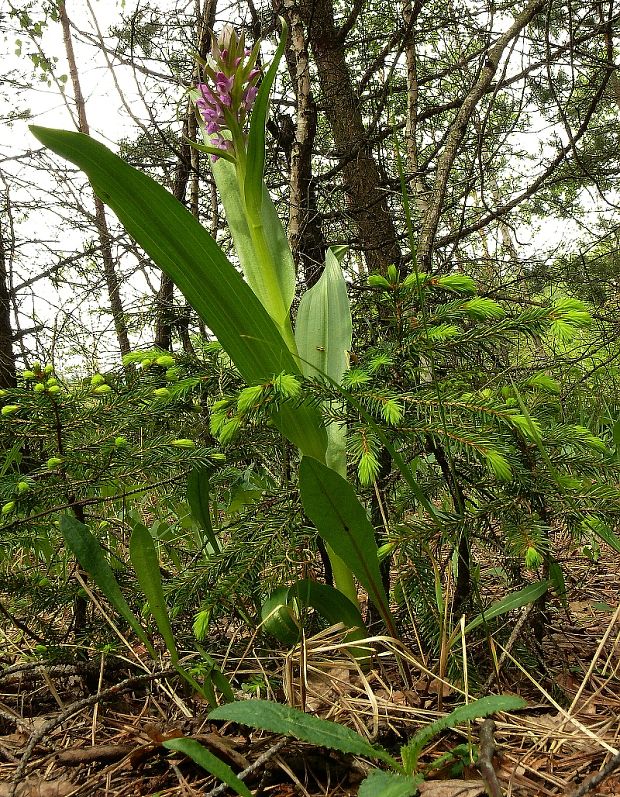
(451, 788)
(35, 787)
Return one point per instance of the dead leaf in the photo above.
(35, 787)
(451, 788)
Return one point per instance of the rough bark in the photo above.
(103, 232)
(304, 223)
(165, 316)
(367, 202)
(7, 355)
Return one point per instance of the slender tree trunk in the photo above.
(366, 200)
(304, 223)
(458, 129)
(165, 316)
(101, 223)
(7, 355)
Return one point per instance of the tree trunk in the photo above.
(109, 269)
(366, 200)
(7, 356)
(304, 224)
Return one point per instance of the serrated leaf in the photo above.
(389, 784)
(288, 721)
(209, 762)
(90, 555)
(479, 708)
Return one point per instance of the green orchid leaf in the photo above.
(273, 717)
(146, 564)
(264, 253)
(182, 248)
(86, 549)
(332, 505)
(209, 762)
(198, 493)
(513, 601)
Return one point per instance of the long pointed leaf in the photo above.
(181, 247)
(389, 784)
(146, 564)
(198, 489)
(90, 555)
(515, 600)
(211, 763)
(332, 505)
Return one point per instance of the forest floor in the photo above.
(95, 729)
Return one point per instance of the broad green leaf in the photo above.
(323, 334)
(280, 618)
(198, 489)
(323, 330)
(211, 763)
(181, 247)
(479, 708)
(515, 600)
(288, 721)
(332, 505)
(146, 564)
(389, 784)
(266, 262)
(90, 555)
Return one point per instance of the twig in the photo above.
(525, 613)
(262, 759)
(488, 748)
(49, 726)
(593, 780)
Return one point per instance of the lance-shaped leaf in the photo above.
(209, 762)
(324, 330)
(90, 555)
(332, 505)
(198, 491)
(323, 334)
(389, 784)
(264, 255)
(146, 564)
(184, 250)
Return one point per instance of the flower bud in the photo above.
(102, 389)
(172, 375)
(165, 361)
(97, 379)
(29, 375)
(217, 457)
(533, 559)
(36, 367)
(54, 389)
(8, 507)
(183, 443)
(146, 363)
(48, 369)
(54, 462)
(22, 487)
(51, 381)
(9, 409)
(39, 387)
(161, 392)
(120, 442)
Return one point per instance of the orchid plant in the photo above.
(250, 315)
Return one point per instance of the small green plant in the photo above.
(403, 778)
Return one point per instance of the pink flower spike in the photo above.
(224, 83)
